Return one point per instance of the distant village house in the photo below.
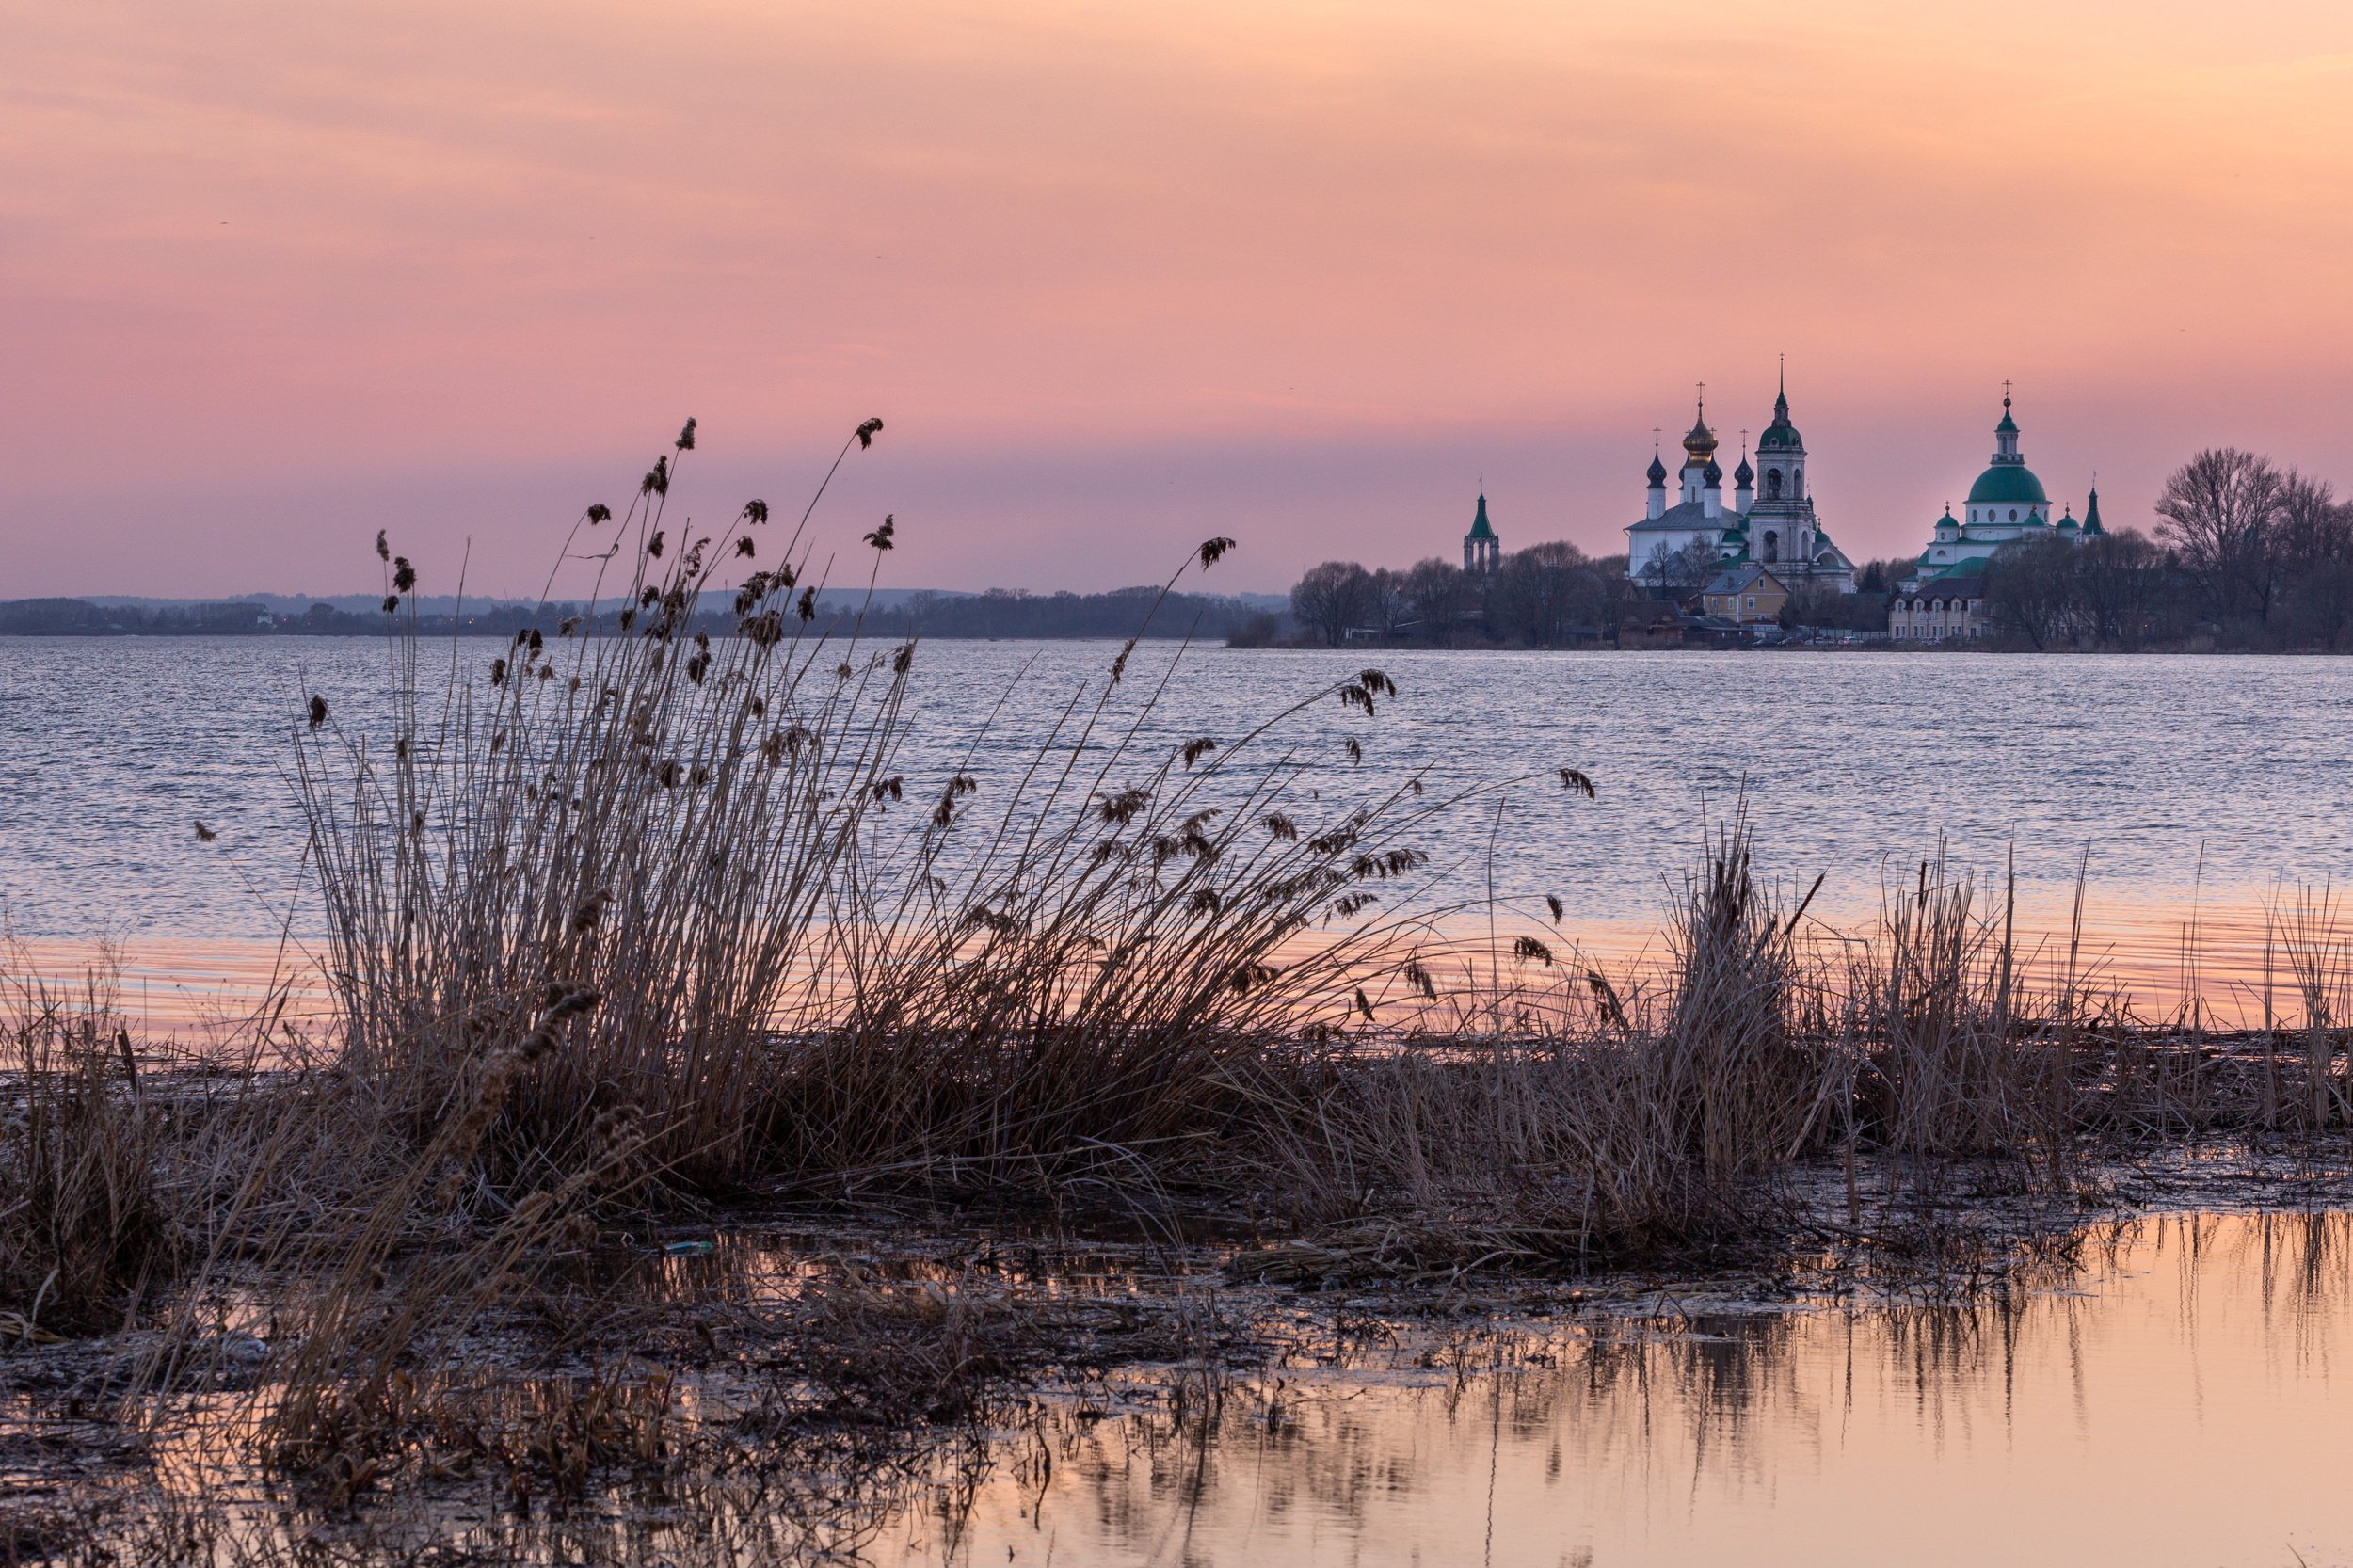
(1746, 595)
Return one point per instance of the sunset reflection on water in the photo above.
(2186, 838)
(2184, 1402)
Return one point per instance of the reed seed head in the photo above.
(867, 432)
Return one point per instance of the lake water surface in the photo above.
(2188, 1401)
(2180, 784)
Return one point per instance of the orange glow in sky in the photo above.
(1119, 276)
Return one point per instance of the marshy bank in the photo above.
(644, 943)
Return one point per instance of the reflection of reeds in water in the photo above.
(1658, 1438)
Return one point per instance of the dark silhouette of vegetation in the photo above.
(999, 613)
(77, 618)
(2248, 555)
(1121, 613)
(1550, 595)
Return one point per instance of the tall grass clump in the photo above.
(1961, 1059)
(570, 901)
(638, 899)
(1599, 1122)
(2309, 940)
(1138, 946)
(86, 1225)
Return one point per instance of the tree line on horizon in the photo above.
(1000, 613)
(1549, 594)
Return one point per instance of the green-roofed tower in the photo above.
(1482, 549)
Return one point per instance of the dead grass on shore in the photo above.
(634, 923)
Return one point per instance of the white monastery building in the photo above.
(1943, 598)
(1770, 522)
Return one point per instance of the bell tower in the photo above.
(1482, 549)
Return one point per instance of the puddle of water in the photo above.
(2184, 1397)
(2187, 1402)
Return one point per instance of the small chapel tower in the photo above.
(1481, 549)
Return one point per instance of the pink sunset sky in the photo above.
(1121, 276)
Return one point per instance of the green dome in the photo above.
(2008, 485)
(1780, 435)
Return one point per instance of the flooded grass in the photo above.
(724, 1146)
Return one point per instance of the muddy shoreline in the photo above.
(825, 1369)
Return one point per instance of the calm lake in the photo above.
(2185, 1400)
(2203, 788)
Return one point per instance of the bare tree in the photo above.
(1880, 577)
(1542, 592)
(1442, 597)
(1387, 605)
(1332, 599)
(2221, 510)
(1679, 574)
(2312, 528)
(2030, 591)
